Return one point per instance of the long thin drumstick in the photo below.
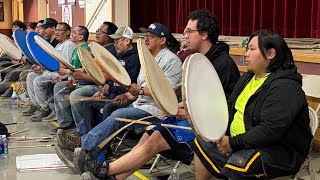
(106, 141)
(149, 123)
(14, 123)
(31, 137)
(44, 81)
(9, 67)
(18, 132)
(92, 99)
(18, 147)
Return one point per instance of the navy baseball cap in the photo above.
(157, 29)
(49, 22)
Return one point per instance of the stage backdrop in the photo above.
(290, 18)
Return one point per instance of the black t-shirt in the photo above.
(54, 42)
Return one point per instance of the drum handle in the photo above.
(150, 123)
(1, 53)
(9, 67)
(112, 136)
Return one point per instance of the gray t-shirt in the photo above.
(172, 69)
(66, 48)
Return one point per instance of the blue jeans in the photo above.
(69, 108)
(110, 125)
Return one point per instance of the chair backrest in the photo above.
(313, 120)
(311, 85)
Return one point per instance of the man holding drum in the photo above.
(44, 90)
(268, 134)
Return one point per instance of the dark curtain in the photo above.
(290, 18)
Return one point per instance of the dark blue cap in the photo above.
(49, 22)
(157, 29)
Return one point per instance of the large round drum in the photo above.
(110, 65)
(161, 90)
(20, 39)
(6, 47)
(204, 99)
(41, 56)
(53, 52)
(90, 66)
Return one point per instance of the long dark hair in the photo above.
(173, 44)
(267, 40)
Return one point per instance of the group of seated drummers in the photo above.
(268, 134)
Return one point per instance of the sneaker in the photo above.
(89, 176)
(64, 142)
(53, 131)
(66, 157)
(51, 117)
(30, 111)
(83, 163)
(41, 114)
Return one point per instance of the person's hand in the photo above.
(98, 95)
(104, 89)
(121, 100)
(63, 71)
(182, 114)
(70, 84)
(55, 79)
(36, 69)
(78, 75)
(134, 89)
(224, 145)
(23, 60)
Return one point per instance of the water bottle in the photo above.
(1, 147)
(174, 175)
(14, 97)
(244, 44)
(5, 146)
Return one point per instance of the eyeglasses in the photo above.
(100, 31)
(73, 32)
(187, 32)
(60, 30)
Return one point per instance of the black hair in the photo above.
(173, 44)
(41, 21)
(206, 23)
(20, 24)
(84, 32)
(65, 25)
(267, 40)
(32, 25)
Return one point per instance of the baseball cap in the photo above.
(49, 22)
(122, 32)
(157, 29)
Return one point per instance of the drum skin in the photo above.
(161, 90)
(90, 66)
(204, 98)
(110, 65)
(53, 52)
(20, 39)
(41, 56)
(9, 47)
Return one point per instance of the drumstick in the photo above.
(9, 67)
(31, 137)
(98, 100)
(150, 123)
(17, 147)
(112, 136)
(44, 81)
(18, 132)
(14, 123)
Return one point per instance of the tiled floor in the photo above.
(8, 166)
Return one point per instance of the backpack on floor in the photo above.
(3, 130)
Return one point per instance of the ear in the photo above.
(204, 35)
(271, 54)
(163, 40)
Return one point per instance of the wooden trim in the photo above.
(129, 15)
(20, 11)
(308, 56)
(84, 11)
(112, 11)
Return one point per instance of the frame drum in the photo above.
(206, 106)
(160, 88)
(20, 38)
(110, 65)
(43, 58)
(6, 47)
(90, 66)
(53, 52)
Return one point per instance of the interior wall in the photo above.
(30, 9)
(5, 27)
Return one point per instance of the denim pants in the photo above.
(69, 109)
(110, 125)
(43, 91)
